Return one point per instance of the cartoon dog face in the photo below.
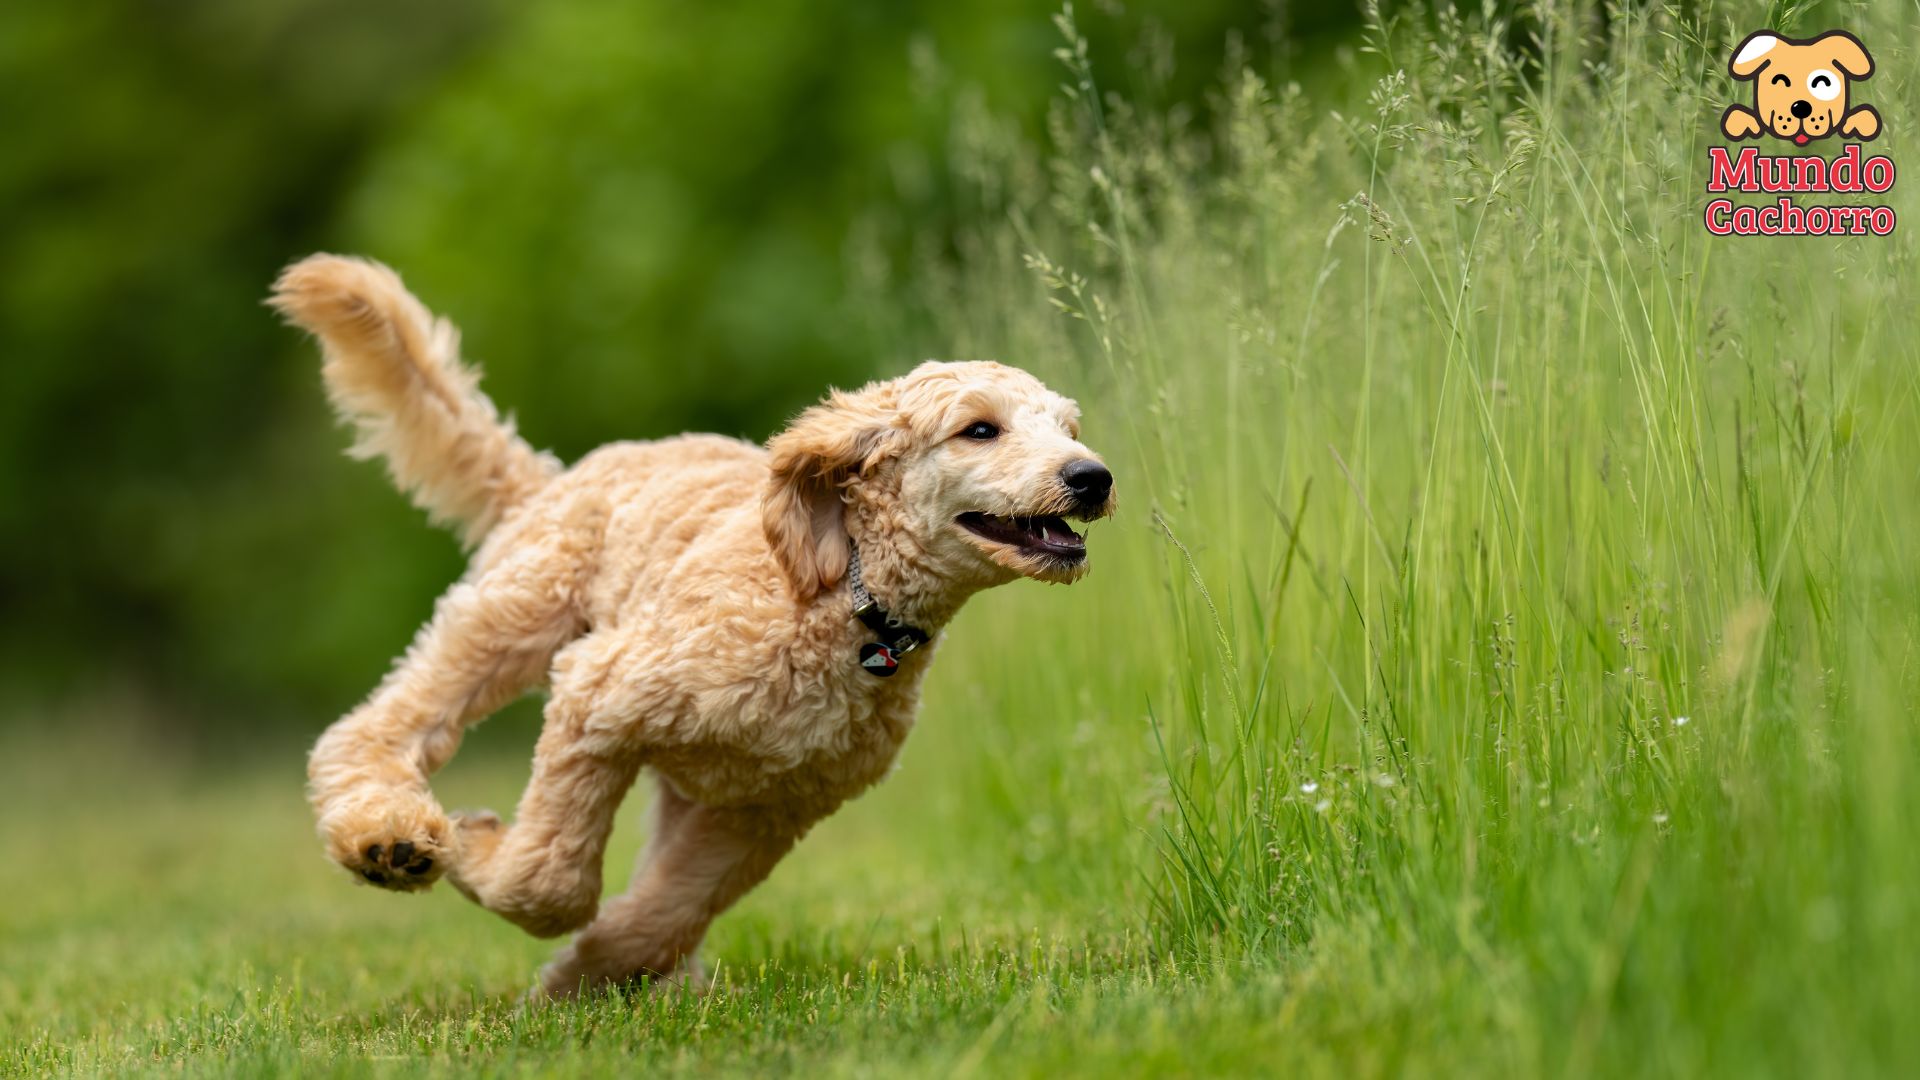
(1800, 88)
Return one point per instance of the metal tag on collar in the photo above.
(878, 659)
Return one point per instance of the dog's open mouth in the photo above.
(1047, 535)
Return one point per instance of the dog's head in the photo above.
(975, 467)
(1800, 85)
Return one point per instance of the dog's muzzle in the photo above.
(1090, 483)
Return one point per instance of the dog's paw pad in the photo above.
(402, 864)
(403, 859)
(397, 843)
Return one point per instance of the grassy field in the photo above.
(1503, 662)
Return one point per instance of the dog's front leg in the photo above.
(543, 873)
(1740, 122)
(699, 861)
(1862, 123)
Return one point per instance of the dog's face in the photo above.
(979, 465)
(993, 468)
(1800, 85)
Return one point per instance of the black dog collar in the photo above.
(897, 639)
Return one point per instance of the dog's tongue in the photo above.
(1800, 139)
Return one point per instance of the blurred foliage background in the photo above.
(647, 217)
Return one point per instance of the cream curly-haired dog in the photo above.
(752, 624)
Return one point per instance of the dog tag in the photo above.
(878, 659)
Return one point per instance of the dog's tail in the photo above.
(394, 371)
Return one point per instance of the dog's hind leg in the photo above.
(491, 638)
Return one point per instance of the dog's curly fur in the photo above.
(686, 602)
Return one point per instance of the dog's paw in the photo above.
(402, 865)
(480, 831)
(1739, 123)
(568, 975)
(400, 841)
(477, 833)
(1862, 123)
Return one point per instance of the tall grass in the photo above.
(1503, 662)
(1514, 592)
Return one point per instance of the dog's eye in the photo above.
(1821, 80)
(980, 431)
(1782, 80)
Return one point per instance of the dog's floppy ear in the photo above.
(812, 460)
(1752, 54)
(1848, 54)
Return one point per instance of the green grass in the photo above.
(179, 917)
(1503, 663)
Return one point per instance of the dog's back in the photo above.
(666, 513)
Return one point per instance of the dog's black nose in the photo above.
(1802, 109)
(1088, 480)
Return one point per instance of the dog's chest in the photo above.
(809, 742)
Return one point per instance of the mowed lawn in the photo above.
(172, 914)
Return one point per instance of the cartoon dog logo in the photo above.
(1800, 88)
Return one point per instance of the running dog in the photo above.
(751, 624)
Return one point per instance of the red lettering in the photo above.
(1878, 174)
(1726, 174)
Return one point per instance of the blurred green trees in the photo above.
(642, 214)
